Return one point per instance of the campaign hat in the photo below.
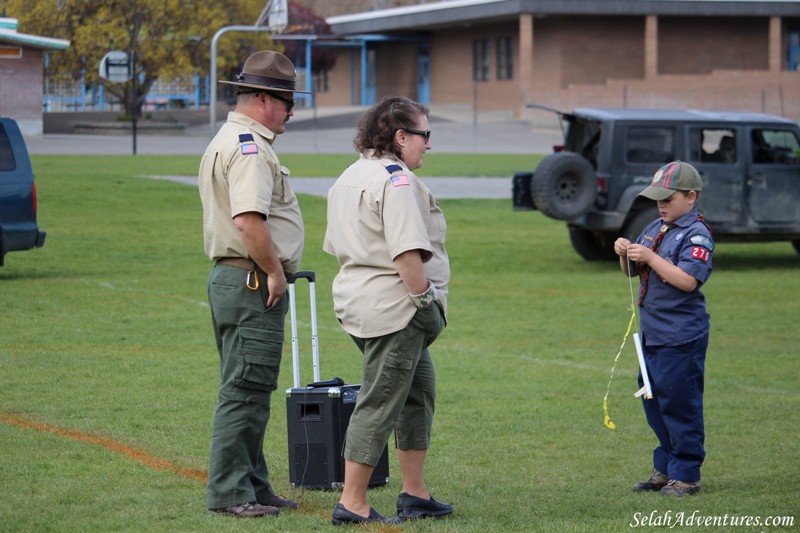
(269, 71)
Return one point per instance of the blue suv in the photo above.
(18, 228)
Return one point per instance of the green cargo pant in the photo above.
(398, 390)
(250, 341)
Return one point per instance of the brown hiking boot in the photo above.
(657, 481)
(680, 488)
(246, 510)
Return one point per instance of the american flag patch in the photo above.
(400, 180)
(249, 148)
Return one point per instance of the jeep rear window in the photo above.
(7, 161)
(583, 137)
(648, 144)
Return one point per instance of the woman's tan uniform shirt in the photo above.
(374, 216)
(240, 173)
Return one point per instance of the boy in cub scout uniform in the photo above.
(253, 231)
(673, 260)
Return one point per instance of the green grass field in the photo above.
(108, 369)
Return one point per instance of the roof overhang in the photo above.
(461, 12)
(9, 35)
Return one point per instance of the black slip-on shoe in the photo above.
(246, 510)
(342, 517)
(277, 501)
(409, 506)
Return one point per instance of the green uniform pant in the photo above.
(250, 342)
(398, 390)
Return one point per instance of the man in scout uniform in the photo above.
(253, 231)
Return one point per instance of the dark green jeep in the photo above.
(749, 162)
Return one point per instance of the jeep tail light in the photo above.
(602, 185)
(33, 196)
(558, 148)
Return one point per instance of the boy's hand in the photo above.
(639, 253)
(621, 247)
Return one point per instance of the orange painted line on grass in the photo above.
(140, 456)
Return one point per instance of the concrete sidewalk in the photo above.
(322, 131)
(442, 187)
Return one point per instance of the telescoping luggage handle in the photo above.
(311, 277)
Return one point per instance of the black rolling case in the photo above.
(317, 415)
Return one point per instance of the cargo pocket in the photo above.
(396, 369)
(259, 360)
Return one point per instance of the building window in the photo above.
(321, 81)
(794, 51)
(480, 60)
(505, 59)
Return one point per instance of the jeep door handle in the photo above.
(757, 180)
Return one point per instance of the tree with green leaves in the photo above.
(168, 38)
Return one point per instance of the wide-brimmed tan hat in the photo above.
(268, 70)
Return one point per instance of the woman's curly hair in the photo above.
(377, 126)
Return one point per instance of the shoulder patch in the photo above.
(701, 240)
(400, 180)
(249, 148)
(245, 137)
(391, 169)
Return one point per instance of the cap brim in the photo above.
(657, 193)
(273, 89)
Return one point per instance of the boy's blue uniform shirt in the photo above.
(670, 316)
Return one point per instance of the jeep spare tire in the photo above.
(564, 185)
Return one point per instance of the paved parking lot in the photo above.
(324, 131)
(331, 132)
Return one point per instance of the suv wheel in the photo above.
(589, 245)
(564, 185)
(638, 221)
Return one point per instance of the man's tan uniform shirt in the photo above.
(374, 216)
(240, 173)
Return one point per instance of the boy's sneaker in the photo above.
(680, 488)
(657, 481)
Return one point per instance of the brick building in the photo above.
(22, 75)
(501, 55)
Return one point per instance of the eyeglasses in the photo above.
(289, 103)
(425, 133)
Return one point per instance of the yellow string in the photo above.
(607, 420)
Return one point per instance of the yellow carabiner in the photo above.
(252, 275)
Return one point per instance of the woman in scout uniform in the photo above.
(673, 260)
(387, 232)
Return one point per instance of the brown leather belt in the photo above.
(240, 262)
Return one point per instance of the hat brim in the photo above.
(265, 88)
(657, 193)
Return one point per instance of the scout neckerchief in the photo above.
(644, 270)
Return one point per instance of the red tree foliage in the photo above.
(305, 21)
